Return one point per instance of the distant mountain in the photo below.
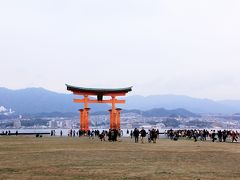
(195, 105)
(161, 112)
(39, 100)
(157, 112)
(233, 104)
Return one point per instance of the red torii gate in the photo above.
(113, 93)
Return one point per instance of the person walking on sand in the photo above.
(136, 135)
(149, 136)
(234, 136)
(143, 134)
(154, 135)
(131, 134)
(224, 135)
(213, 136)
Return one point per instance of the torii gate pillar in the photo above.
(115, 118)
(84, 119)
(118, 110)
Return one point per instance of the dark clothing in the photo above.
(143, 133)
(213, 136)
(136, 134)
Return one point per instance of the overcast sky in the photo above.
(160, 47)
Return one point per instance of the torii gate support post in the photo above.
(111, 118)
(113, 113)
(118, 117)
(86, 118)
(115, 118)
(81, 121)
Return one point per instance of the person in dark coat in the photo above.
(136, 134)
(143, 134)
(154, 135)
(213, 136)
(224, 135)
(220, 136)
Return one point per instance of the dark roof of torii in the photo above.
(98, 90)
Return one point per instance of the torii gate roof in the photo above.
(98, 91)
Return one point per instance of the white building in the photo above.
(69, 124)
(17, 124)
(62, 124)
(53, 124)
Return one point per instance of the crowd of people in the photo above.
(113, 134)
(203, 135)
(8, 133)
(151, 135)
(110, 135)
